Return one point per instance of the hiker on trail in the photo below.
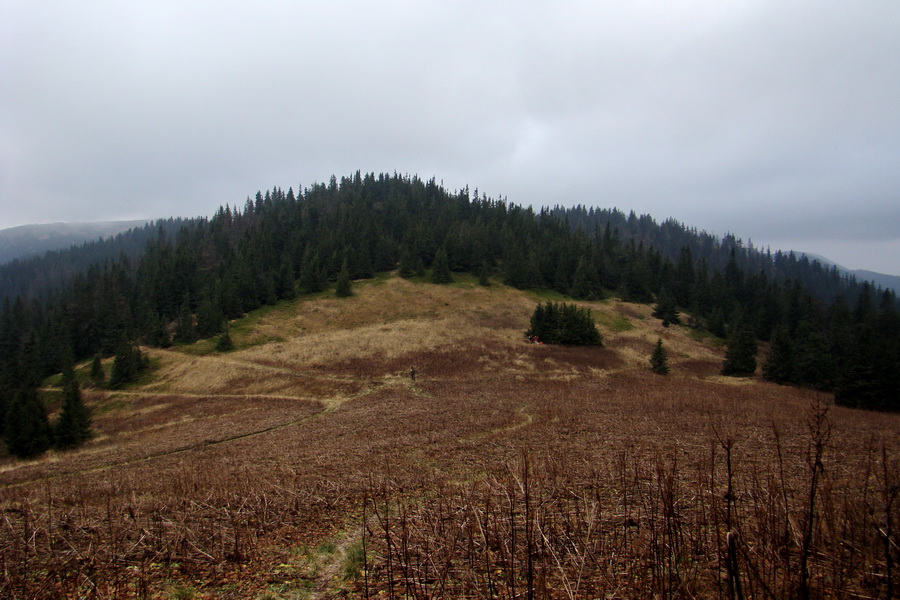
(412, 373)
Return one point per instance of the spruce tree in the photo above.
(28, 430)
(440, 267)
(343, 288)
(73, 427)
(209, 319)
(311, 280)
(779, 365)
(586, 282)
(567, 324)
(185, 332)
(666, 309)
(484, 274)
(740, 356)
(659, 360)
(97, 373)
(225, 343)
(128, 365)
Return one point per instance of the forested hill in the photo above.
(832, 332)
(36, 268)
(27, 241)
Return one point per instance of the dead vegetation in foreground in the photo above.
(312, 467)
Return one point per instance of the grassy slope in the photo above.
(241, 465)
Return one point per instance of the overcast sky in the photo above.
(776, 121)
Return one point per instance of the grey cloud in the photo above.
(749, 117)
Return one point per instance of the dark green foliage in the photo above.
(225, 343)
(871, 378)
(312, 279)
(209, 319)
(411, 264)
(343, 288)
(73, 427)
(659, 360)
(128, 365)
(567, 324)
(185, 331)
(586, 282)
(98, 376)
(284, 280)
(440, 268)
(27, 427)
(484, 273)
(666, 309)
(716, 323)
(158, 335)
(779, 365)
(740, 356)
(813, 365)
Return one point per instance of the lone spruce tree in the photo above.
(659, 360)
(225, 343)
(73, 427)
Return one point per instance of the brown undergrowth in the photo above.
(314, 467)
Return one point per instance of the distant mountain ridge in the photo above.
(879, 279)
(32, 240)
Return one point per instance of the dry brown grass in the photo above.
(225, 472)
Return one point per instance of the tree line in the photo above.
(830, 331)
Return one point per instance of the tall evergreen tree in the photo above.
(740, 355)
(27, 427)
(440, 268)
(586, 281)
(73, 427)
(343, 288)
(779, 365)
(666, 309)
(225, 343)
(185, 332)
(659, 360)
(209, 319)
(311, 279)
(97, 373)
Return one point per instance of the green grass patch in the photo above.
(326, 548)
(703, 336)
(615, 322)
(545, 294)
(354, 561)
(201, 348)
(463, 281)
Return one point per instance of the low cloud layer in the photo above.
(779, 122)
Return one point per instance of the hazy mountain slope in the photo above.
(885, 281)
(879, 279)
(31, 240)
